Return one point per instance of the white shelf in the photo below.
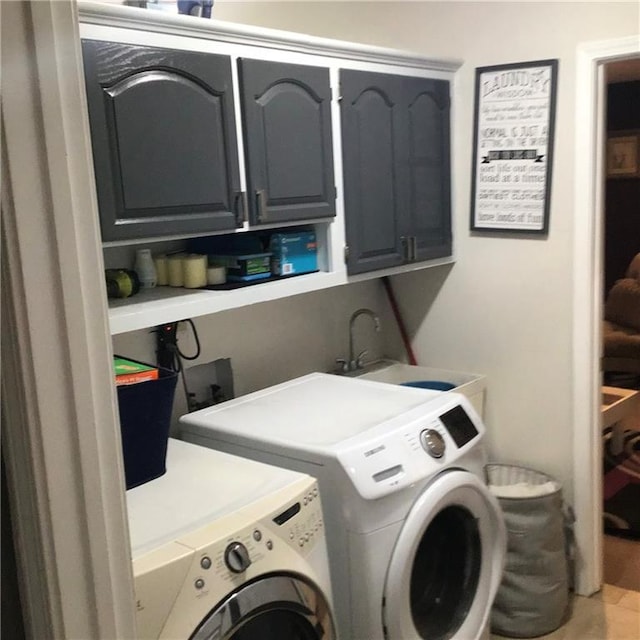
(170, 304)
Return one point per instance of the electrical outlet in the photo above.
(166, 333)
(166, 344)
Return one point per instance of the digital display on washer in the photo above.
(287, 514)
(459, 425)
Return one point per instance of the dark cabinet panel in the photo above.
(396, 167)
(164, 140)
(286, 112)
(428, 217)
(373, 189)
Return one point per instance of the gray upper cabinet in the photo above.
(428, 222)
(372, 121)
(286, 111)
(164, 140)
(395, 141)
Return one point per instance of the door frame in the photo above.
(60, 431)
(589, 183)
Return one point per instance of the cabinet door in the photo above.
(164, 140)
(427, 226)
(287, 137)
(373, 120)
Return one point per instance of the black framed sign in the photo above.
(513, 146)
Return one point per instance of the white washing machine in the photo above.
(227, 548)
(416, 541)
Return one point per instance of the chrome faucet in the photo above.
(355, 362)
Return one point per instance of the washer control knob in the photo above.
(432, 442)
(236, 557)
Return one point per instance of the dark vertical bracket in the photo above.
(166, 345)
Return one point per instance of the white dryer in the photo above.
(416, 541)
(225, 548)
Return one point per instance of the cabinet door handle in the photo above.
(240, 207)
(405, 247)
(261, 203)
(409, 248)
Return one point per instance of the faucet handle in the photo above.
(360, 358)
(343, 364)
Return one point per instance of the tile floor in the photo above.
(614, 612)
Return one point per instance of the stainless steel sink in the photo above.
(472, 385)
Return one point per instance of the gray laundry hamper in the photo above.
(533, 597)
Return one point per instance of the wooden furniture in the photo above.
(621, 326)
(621, 411)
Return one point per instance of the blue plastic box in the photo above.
(294, 253)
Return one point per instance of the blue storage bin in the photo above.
(436, 385)
(145, 417)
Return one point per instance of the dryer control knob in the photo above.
(236, 557)
(432, 442)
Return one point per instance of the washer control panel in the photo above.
(302, 523)
(296, 525)
(411, 446)
(272, 534)
(236, 557)
(433, 443)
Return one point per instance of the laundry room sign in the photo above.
(513, 146)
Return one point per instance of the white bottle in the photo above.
(145, 268)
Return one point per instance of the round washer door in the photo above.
(447, 562)
(271, 607)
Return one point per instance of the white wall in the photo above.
(505, 308)
(274, 341)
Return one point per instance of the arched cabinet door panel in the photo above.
(373, 185)
(286, 111)
(395, 146)
(164, 140)
(429, 210)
